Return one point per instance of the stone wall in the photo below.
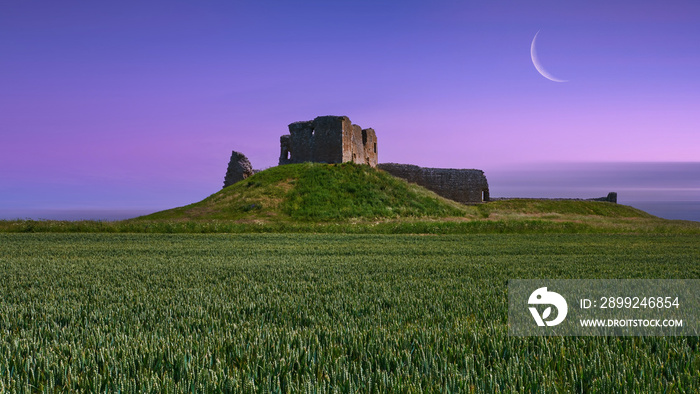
(239, 168)
(465, 186)
(328, 139)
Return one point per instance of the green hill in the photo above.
(350, 198)
(314, 193)
(318, 192)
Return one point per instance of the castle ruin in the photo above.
(334, 139)
(328, 139)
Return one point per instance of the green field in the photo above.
(320, 313)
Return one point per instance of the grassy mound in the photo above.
(350, 198)
(318, 192)
(556, 208)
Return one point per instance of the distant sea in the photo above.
(681, 210)
(73, 214)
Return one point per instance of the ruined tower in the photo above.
(328, 139)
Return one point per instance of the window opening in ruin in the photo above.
(375, 147)
(286, 154)
(364, 137)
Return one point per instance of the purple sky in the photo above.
(138, 104)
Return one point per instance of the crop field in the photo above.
(320, 313)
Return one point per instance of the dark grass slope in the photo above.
(562, 207)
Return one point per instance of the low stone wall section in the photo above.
(461, 185)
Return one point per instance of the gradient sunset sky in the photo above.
(138, 104)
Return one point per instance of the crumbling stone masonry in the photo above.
(611, 197)
(334, 139)
(465, 186)
(239, 168)
(328, 139)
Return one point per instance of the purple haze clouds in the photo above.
(137, 105)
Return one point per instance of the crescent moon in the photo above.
(538, 66)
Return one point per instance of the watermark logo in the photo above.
(604, 307)
(543, 297)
